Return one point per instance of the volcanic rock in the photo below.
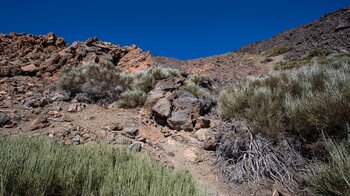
(4, 119)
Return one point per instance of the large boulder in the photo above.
(162, 108)
(170, 105)
(185, 110)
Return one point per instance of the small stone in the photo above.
(60, 97)
(202, 134)
(135, 147)
(86, 136)
(210, 144)
(54, 114)
(39, 123)
(140, 139)
(130, 132)
(202, 122)
(31, 68)
(76, 139)
(190, 155)
(72, 107)
(114, 127)
(171, 154)
(4, 119)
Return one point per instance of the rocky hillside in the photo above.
(43, 56)
(331, 31)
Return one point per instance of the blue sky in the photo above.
(182, 29)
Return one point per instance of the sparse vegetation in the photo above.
(332, 177)
(317, 54)
(96, 83)
(198, 85)
(147, 79)
(267, 60)
(92, 81)
(278, 51)
(316, 97)
(42, 167)
(132, 98)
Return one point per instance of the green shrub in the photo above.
(198, 85)
(303, 101)
(96, 83)
(132, 99)
(147, 79)
(93, 80)
(332, 177)
(316, 54)
(41, 167)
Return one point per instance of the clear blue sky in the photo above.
(182, 29)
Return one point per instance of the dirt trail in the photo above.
(181, 150)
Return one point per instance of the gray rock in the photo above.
(72, 107)
(130, 132)
(180, 120)
(210, 144)
(135, 147)
(4, 119)
(162, 108)
(202, 122)
(169, 84)
(153, 97)
(42, 102)
(185, 107)
(60, 97)
(76, 139)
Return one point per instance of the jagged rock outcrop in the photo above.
(24, 54)
(43, 56)
(170, 105)
(128, 58)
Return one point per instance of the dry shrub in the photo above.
(147, 79)
(332, 177)
(132, 99)
(301, 102)
(256, 159)
(104, 84)
(198, 85)
(92, 82)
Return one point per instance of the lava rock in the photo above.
(4, 119)
(135, 147)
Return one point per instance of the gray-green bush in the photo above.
(332, 177)
(42, 167)
(95, 81)
(198, 85)
(300, 101)
(103, 83)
